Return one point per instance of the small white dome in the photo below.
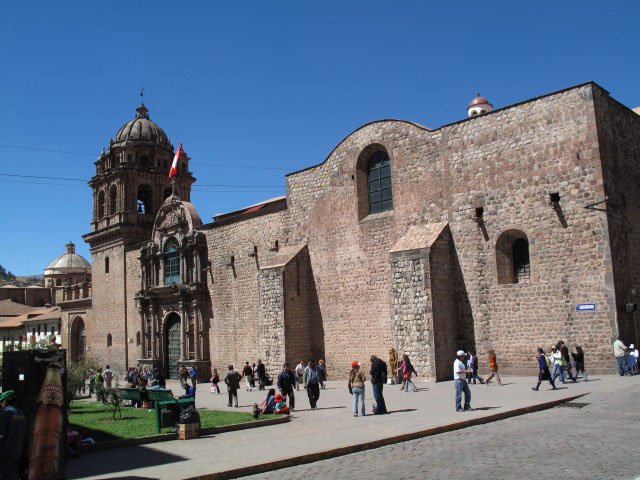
(69, 262)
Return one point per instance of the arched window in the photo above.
(521, 265)
(512, 257)
(144, 199)
(171, 263)
(144, 161)
(100, 211)
(379, 183)
(138, 338)
(58, 283)
(109, 340)
(113, 198)
(106, 265)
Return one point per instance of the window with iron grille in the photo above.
(521, 264)
(171, 263)
(379, 183)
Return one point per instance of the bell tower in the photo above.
(129, 187)
(132, 182)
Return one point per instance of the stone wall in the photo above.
(619, 140)
(108, 308)
(304, 335)
(271, 329)
(233, 286)
(411, 312)
(507, 162)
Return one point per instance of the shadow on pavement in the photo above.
(486, 408)
(117, 460)
(402, 410)
(131, 477)
(318, 408)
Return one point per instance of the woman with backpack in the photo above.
(407, 370)
(543, 370)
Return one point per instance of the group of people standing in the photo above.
(312, 377)
(626, 357)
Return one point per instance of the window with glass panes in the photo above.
(171, 263)
(379, 183)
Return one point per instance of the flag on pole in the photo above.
(174, 165)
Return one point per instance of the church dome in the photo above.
(68, 262)
(142, 129)
(479, 101)
(478, 106)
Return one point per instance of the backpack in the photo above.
(547, 361)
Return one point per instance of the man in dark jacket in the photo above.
(262, 375)
(378, 379)
(564, 351)
(13, 426)
(233, 384)
(286, 382)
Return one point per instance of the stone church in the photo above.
(510, 229)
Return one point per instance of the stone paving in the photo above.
(598, 441)
(600, 434)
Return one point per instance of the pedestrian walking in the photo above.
(407, 370)
(215, 380)
(92, 377)
(378, 379)
(182, 375)
(356, 383)
(312, 384)
(543, 370)
(108, 375)
(620, 352)
(564, 351)
(286, 383)
(493, 367)
(473, 361)
(193, 374)
(299, 374)
(558, 365)
(247, 373)
(262, 374)
(322, 373)
(13, 426)
(459, 379)
(578, 358)
(253, 375)
(232, 380)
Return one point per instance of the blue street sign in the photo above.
(581, 307)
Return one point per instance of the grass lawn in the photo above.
(92, 419)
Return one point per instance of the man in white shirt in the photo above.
(299, 374)
(459, 379)
(620, 351)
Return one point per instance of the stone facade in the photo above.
(491, 243)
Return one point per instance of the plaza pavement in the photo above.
(330, 426)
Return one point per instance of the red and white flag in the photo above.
(174, 165)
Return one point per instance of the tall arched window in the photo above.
(521, 265)
(113, 198)
(109, 340)
(100, 212)
(144, 161)
(379, 183)
(144, 199)
(171, 263)
(512, 257)
(106, 265)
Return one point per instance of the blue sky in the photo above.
(274, 85)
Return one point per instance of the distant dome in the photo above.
(479, 101)
(478, 106)
(141, 129)
(69, 262)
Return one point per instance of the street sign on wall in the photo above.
(585, 307)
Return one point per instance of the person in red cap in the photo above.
(280, 406)
(356, 388)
